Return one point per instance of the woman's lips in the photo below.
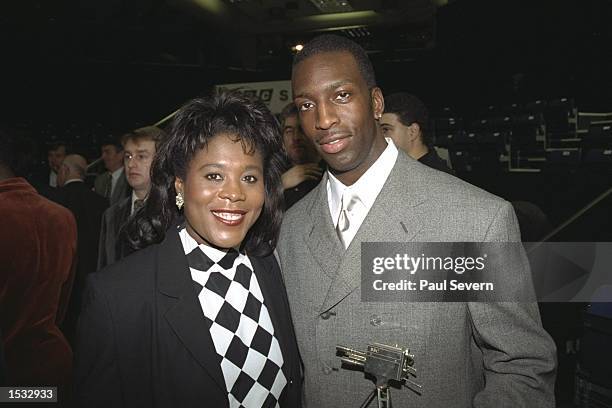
(229, 217)
(334, 146)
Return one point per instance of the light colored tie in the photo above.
(347, 225)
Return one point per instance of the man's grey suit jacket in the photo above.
(121, 191)
(467, 354)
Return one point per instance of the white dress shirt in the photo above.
(366, 188)
(115, 176)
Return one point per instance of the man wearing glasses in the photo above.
(139, 149)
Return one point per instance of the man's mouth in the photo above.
(334, 145)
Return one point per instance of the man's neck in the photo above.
(141, 194)
(115, 169)
(5, 173)
(418, 151)
(350, 177)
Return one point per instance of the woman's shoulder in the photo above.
(133, 271)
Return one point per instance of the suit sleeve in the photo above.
(519, 357)
(97, 380)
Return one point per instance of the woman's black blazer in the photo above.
(142, 339)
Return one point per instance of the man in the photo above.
(139, 148)
(305, 172)
(112, 184)
(38, 246)
(468, 354)
(87, 208)
(55, 155)
(406, 122)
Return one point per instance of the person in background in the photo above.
(406, 121)
(305, 169)
(38, 244)
(199, 315)
(112, 184)
(138, 151)
(87, 208)
(55, 156)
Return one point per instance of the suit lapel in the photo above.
(396, 216)
(184, 313)
(322, 240)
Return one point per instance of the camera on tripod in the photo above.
(387, 364)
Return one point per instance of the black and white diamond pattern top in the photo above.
(240, 326)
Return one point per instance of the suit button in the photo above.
(375, 320)
(327, 315)
(327, 370)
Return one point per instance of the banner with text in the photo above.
(275, 94)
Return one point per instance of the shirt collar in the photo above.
(369, 184)
(74, 180)
(189, 244)
(117, 173)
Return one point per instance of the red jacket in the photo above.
(37, 258)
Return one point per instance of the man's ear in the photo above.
(414, 132)
(378, 102)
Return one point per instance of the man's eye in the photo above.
(342, 96)
(305, 106)
(250, 179)
(214, 177)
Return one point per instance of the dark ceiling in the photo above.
(248, 34)
(126, 60)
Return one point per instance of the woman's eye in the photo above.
(214, 177)
(250, 179)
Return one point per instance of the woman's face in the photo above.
(223, 191)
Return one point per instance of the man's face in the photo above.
(62, 174)
(338, 113)
(299, 149)
(137, 158)
(112, 157)
(393, 128)
(55, 158)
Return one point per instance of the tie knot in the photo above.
(138, 204)
(349, 201)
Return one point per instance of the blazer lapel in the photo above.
(396, 216)
(322, 241)
(184, 313)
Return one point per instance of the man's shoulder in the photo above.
(302, 208)
(118, 207)
(440, 186)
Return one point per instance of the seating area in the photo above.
(529, 137)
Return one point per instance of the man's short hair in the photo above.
(112, 140)
(151, 133)
(335, 43)
(18, 152)
(288, 111)
(54, 145)
(409, 109)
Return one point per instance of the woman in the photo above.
(199, 318)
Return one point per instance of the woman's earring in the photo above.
(179, 200)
